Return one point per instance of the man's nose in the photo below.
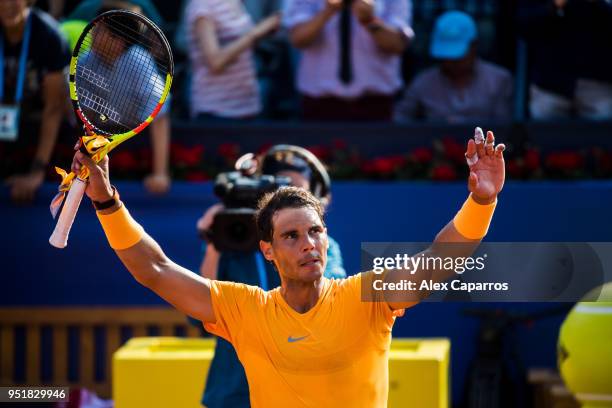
(308, 243)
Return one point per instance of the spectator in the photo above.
(463, 87)
(570, 54)
(33, 92)
(226, 384)
(350, 65)
(88, 9)
(484, 12)
(274, 57)
(159, 181)
(58, 8)
(221, 35)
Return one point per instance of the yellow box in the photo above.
(419, 373)
(161, 372)
(171, 372)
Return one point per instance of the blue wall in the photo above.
(88, 273)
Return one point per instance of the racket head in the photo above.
(121, 71)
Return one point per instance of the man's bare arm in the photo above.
(388, 39)
(24, 186)
(438, 249)
(183, 289)
(487, 176)
(305, 34)
(218, 57)
(210, 264)
(187, 291)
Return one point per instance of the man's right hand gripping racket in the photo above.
(120, 76)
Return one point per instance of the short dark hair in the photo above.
(284, 197)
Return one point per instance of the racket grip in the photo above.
(59, 237)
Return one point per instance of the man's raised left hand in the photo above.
(487, 167)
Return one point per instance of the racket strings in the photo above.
(99, 105)
(121, 74)
(93, 78)
(146, 38)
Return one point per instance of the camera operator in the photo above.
(226, 384)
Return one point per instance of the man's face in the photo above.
(460, 68)
(12, 12)
(299, 244)
(456, 69)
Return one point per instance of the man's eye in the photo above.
(292, 236)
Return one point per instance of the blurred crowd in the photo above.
(382, 60)
(315, 60)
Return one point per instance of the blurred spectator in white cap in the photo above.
(350, 56)
(462, 87)
(570, 57)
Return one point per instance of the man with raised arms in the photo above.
(312, 342)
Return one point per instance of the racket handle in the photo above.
(59, 238)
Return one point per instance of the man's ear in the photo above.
(266, 250)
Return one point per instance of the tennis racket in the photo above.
(120, 76)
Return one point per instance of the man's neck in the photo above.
(301, 296)
(464, 80)
(14, 34)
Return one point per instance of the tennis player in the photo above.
(312, 342)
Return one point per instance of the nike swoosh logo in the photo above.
(294, 339)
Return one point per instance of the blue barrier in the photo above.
(88, 273)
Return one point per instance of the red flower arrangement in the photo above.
(384, 166)
(421, 155)
(125, 161)
(453, 151)
(564, 161)
(323, 153)
(197, 176)
(443, 161)
(183, 156)
(443, 172)
(532, 159)
(525, 166)
(229, 151)
(567, 165)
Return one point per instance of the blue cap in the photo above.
(453, 33)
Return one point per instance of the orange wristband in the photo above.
(120, 228)
(473, 220)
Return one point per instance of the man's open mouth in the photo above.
(309, 262)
